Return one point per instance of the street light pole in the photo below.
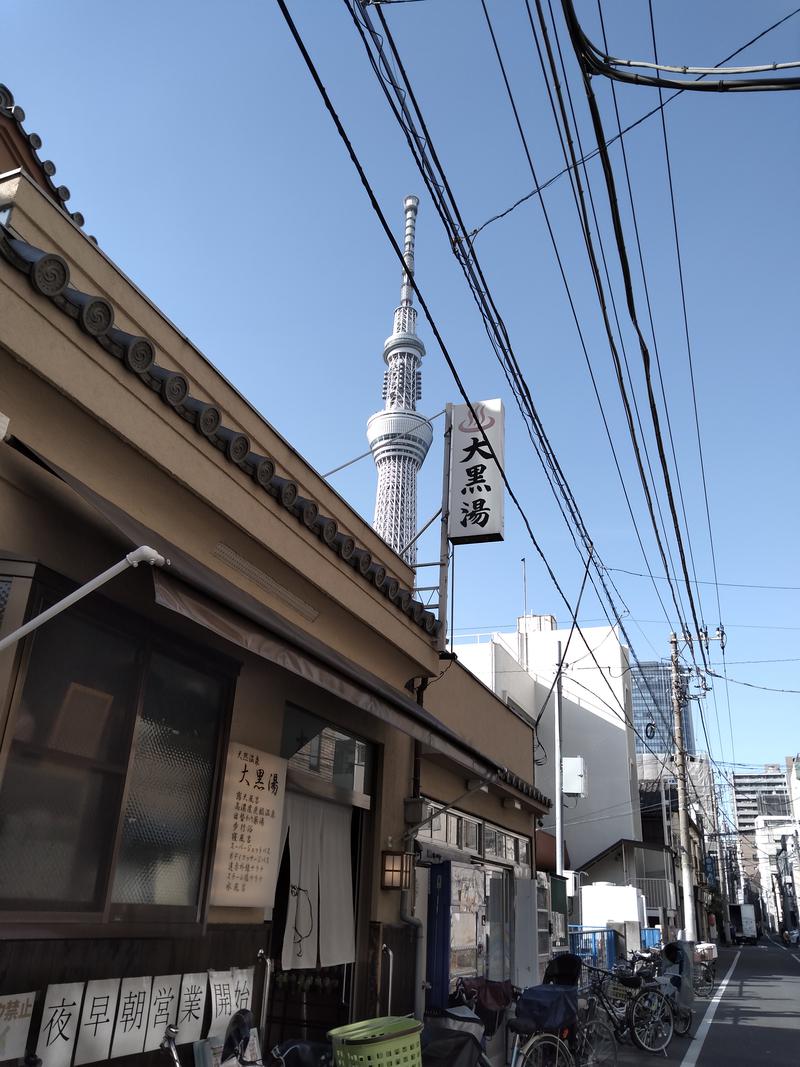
(689, 922)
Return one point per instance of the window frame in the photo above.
(121, 920)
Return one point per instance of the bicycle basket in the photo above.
(549, 1007)
(389, 1042)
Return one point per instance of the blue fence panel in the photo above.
(651, 937)
(595, 946)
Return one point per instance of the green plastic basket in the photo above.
(389, 1042)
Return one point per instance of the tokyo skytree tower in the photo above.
(399, 437)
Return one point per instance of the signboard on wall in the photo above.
(476, 486)
(249, 835)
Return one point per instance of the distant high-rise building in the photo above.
(758, 793)
(399, 437)
(651, 695)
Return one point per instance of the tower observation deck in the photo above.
(399, 436)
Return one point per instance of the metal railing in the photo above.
(594, 945)
(658, 892)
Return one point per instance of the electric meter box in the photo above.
(573, 776)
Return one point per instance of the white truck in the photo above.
(743, 917)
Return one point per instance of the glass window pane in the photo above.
(57, 827)
(170, 782)
(61, 791)
(490, 841)
(79, 691)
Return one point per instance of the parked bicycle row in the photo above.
(577, 1017)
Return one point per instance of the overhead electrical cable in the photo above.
(687, 335)
(631, 126)
(576, 320)
(433, 325)
(646, 289)
(595, 61)
(633, 314)
(425, 156)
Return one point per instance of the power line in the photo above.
(711, 581)
(646, 287)
(617, 222)
(421, 146)
(428, 315)
(691, 369)
(595, 61)
(631, 126)
(752, 685)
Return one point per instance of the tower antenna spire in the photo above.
(399, 436)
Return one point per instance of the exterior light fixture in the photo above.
(396, 869)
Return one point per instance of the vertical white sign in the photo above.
(223, 1003)
(15, 1022)
(251, 818)
(97, 1021)
(134, 1003)
(163, 1009)
(192, 1007)
(243, 988)
(59, 1026)
(476, 500)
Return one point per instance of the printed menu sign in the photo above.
(251, 818)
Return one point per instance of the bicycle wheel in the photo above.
(595, 1045)
(703, 981)
(683, 1020)
(651, 1021)
(546, 1050)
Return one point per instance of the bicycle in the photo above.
(703, 977)
(641, 1011)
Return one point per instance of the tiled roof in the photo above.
(59, 193)
(48, 274)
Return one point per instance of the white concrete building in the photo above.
(769, 833)
(596, 717)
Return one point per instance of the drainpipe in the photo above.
(406, 898)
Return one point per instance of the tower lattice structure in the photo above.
(399, 436)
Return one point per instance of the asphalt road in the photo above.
(755, 1021)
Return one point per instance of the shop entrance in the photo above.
(314, 927)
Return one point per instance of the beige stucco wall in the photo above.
(464, 703)
(137, 452)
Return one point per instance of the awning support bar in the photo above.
(144, 554)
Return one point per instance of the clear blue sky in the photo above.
(199, 152)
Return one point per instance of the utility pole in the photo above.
(689, 923)
(444, 543)
(559, 784)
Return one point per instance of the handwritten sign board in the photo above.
(477, 495)
(97, 1021)
(59, 1026)
(15, 1022)
(251, 817)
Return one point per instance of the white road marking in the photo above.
(696, 1047)
(796, 957)
(777, 943)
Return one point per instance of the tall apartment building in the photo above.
(760, 793)
(651, 695)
